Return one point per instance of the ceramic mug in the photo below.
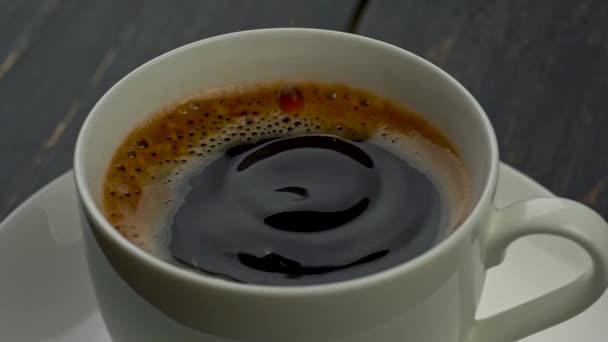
(432, 298)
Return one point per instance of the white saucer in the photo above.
(46, 294)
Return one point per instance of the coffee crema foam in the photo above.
(147, 180)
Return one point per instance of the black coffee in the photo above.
(292, 186)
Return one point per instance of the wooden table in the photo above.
(539, 68)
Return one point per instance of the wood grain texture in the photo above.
(539, 69)
(57, 57)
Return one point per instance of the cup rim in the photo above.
(202, 280)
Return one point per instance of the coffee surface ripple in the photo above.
(314, 207)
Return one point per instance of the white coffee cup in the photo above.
(432, 298)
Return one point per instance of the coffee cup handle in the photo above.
(551, 216)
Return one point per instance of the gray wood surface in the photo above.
(57, 57)
(539, 68)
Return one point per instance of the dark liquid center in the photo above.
(304, 210)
